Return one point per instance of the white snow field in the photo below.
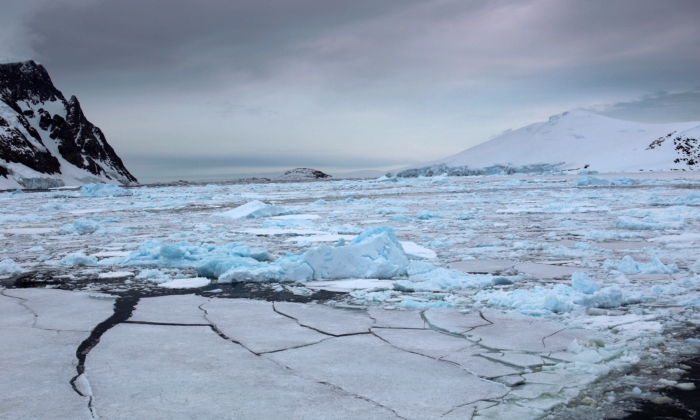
(571, 141)
(485, 297)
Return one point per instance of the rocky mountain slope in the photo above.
(46, 140)
(575, 140)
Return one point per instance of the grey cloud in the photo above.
(145, 34)
(417, 79)
(362, 42)
(660, 107)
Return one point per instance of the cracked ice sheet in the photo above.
(175, 372)
(64, 310)
(426, 342)
(454, 322)
(326, 319)
(520, 333)
(175, 309)
(37, 366)
(480, 366)
(256, 325)
(416, 387)
(350, 285)
(396, 319)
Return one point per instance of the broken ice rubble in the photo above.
(628, 265)
(80, 226)
(8, 266)
(374, 254)
(104, 190)
(425, 277)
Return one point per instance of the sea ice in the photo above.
(104, 190)
(584, 284)
(427, 342)
(253, 210)
(8, 266)
(175, 309)
(197, 372)
(628, 265)
(78, 259)
(374, 254)
(80, 226)
(647, 223)
(327, 320)
(60, 310)
(37, 365)
(257, 326)
(384, 379)
(191, 283)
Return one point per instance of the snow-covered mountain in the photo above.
(571, 141)
(45, 140)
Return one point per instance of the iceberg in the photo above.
(376, 253)
(9, 266)
(425, 277)
(78, 259)
(584, 284)
(541, 301)
(104, 190)
(253, 210)
(81, 226)
(628, 265)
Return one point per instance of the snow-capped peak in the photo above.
(46, 140)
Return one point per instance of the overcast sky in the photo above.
(225, 88)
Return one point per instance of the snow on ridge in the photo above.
(574, 140)
(45, 140)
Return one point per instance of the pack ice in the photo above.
(486, 297)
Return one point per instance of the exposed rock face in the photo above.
(303, 174)
(46, 139)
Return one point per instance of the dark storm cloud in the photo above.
(594, 41)
(138, 35)
(659, 107)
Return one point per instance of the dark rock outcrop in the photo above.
(36, 120)
(303, 174)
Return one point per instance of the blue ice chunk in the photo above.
(171, 251)
(592, 181)
(8, 266)
(629, 266)
(414, 304)
(104, 190)
(260, 254)
(78, 259)
(81, 226)
(426, 215)
(584, 284)
(253, 210)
